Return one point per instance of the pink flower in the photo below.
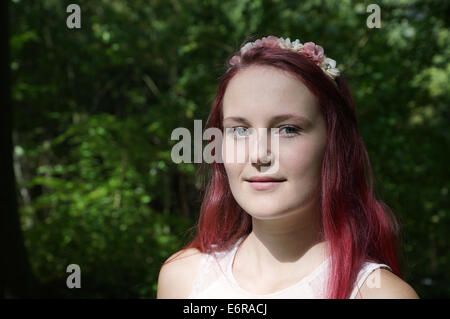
(268, 42)
(235, 60)
(314, 52)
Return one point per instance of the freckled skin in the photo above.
(257, 94)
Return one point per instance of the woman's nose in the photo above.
(260, 151)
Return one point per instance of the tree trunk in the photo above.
(17, 279)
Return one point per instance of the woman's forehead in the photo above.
(265, 92)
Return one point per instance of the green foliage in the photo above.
(95, 107)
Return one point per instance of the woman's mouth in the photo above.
(264, 182)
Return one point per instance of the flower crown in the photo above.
(310, 50)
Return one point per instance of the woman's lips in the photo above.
(264, 185)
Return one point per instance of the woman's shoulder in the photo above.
(381, 283)
(177, 274)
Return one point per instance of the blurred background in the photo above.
(86, 130)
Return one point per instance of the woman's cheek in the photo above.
(233, 171)
(298, 160)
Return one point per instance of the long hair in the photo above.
(357, 226)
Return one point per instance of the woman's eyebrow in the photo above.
(236, 119)
(299, 118)
(275, 119)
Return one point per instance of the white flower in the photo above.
(291, 46)
(329, 66)
(288, 42)
(329, 63)
(296, 45)
(246, 47)
(283, 44)
(333, 72)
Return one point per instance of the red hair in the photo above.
(357, 226)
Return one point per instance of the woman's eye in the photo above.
(289, 130)
(239, 131)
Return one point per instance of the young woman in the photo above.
(299, 220)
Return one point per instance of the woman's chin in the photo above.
(264, 212)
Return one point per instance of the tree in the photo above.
(17, 278)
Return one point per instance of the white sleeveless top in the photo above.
(215, 280)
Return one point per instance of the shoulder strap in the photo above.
(197, 284)
(208, 272)
(212, 267)
(366, 270)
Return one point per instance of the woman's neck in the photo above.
(284, 244)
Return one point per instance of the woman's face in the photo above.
(257, 100)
